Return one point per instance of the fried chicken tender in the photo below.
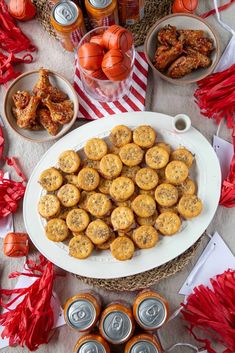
(46, 121)
(196, 39)
(186, 64)
(165, 55)
(26, 118)
(21, 99)
(43, 88)
(60, 112)
(168, 35)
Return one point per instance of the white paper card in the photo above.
(24, 282)
(224, 151)
(6, 223)
(215, 259)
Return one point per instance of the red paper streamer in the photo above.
(13, 162)
(1, 142)
(12, 39)
(216, 96)
(31, 322)
(213, 312)
(216, 100)
(10, 194)
(220, 8)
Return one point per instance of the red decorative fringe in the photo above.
(213, 312)
(12, 41)
(13, 162)
(30, 322)
(216, 96)
(216, 100)
(1, 143)
(10, 194)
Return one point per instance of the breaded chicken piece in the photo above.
(43, 88)
(61, 113)
(197, 41)
(46, 121)
(26, 118)
(203, 60)
(21, 99)
(168, 35)
(164, 55)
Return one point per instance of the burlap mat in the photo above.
(154, 9)
(148, 278)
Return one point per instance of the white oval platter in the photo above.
(206, 172)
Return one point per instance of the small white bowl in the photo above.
(182, 21)
(181, 123)
(27, 82)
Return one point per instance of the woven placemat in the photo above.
(148, 278)
(154, 9)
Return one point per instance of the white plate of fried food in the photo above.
(41, 105)
(108, 201)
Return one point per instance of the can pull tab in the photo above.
(188, 345)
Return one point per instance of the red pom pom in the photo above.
(213, 311)
(31, 321)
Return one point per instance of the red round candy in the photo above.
(188, 6)
(97, 39)
(116, 65)
(117, 37)
(90, 56)
(16, 244)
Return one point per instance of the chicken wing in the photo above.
(46, 121)
(43, 88)
(186, 64)
(60, 112)
(203, 60)
(21, 99)
(164, 55)
(26, 118)
(197, 41)
(168, 35)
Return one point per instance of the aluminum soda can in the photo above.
(143, 343)
(102, 12)
(150, 310)
(91, 344)
(117, 323)
(82, 311)
(68, 23)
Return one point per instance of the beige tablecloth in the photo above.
(162, 97)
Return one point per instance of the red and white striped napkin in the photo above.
(135, 101)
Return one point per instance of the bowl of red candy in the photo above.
(106, 60)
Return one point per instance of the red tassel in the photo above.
(216, 96)
(227, 197)
(30, 322)
(213, 312)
